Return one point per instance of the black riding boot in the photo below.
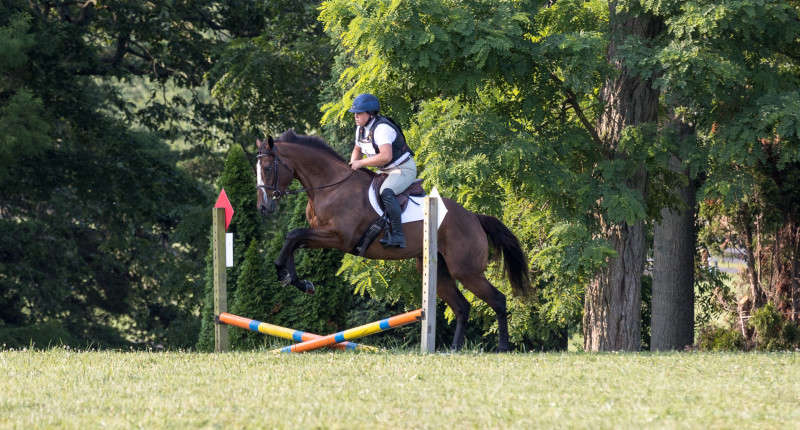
(394, 236)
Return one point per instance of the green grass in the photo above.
(63, 389)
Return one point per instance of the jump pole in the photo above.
(355, 333)
(282, 332)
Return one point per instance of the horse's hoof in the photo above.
(305, 286)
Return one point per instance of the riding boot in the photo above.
(394, 236)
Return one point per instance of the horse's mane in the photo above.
(309, 141)
(316, 143)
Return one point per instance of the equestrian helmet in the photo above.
(365, 103)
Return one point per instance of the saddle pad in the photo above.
(413, 211)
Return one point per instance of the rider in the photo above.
(384, 144)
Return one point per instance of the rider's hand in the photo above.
(355, 164)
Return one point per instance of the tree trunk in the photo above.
(612, 306)
(752, 256)
(612, 309)
(672, 324)
(795, 290)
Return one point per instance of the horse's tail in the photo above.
(514, 260)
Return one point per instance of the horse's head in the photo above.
(274, 176)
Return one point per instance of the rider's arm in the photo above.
(356, 155)
(384, 136)
(382, 158)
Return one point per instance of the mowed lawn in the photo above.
(64, 389)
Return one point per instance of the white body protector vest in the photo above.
(383, 135)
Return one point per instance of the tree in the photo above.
(256, 297)
(509, 86)
(734, 80)
(674, 243)
(89, 241)
(271, 79)
(613, 299)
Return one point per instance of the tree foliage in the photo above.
(737, 79)
(115, 119)
(90, 242)
(486, 93)
(513, 87)
(271, 79)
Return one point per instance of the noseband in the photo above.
(273, 190)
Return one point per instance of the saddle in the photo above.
(415, 189)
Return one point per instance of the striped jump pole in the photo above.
(355, 333)
(283, 332)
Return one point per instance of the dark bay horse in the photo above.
(339, 213)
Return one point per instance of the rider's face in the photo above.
(362, 118)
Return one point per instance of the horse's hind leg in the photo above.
(447, 290)
(484, 290)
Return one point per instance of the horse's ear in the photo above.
(270, 142)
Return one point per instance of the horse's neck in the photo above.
(315, 177)
(321, 172)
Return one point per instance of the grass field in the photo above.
(63, 389)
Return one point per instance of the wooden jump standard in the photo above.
(310, 341)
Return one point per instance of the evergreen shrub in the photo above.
(260, 296)
(238, 180)
(773, 332)
(42, 335)
(254, 300)
(713, 338)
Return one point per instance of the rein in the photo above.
(278, 194)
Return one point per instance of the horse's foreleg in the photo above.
(300, 238)
(284, 264)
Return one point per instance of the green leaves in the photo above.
(565, 265)
(23, 131)
(449, 46)
(15, 41)
(267, 79)
(392, 281)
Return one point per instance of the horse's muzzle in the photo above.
(267, 206)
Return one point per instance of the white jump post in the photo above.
(429, 265)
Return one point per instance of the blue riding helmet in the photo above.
(365, 103)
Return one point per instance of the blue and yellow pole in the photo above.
(282, 332)
(355, 333)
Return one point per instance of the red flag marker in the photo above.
(223, 202)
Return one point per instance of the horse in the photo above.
(339, 212)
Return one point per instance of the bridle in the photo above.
(273, 188)
(275, 192)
